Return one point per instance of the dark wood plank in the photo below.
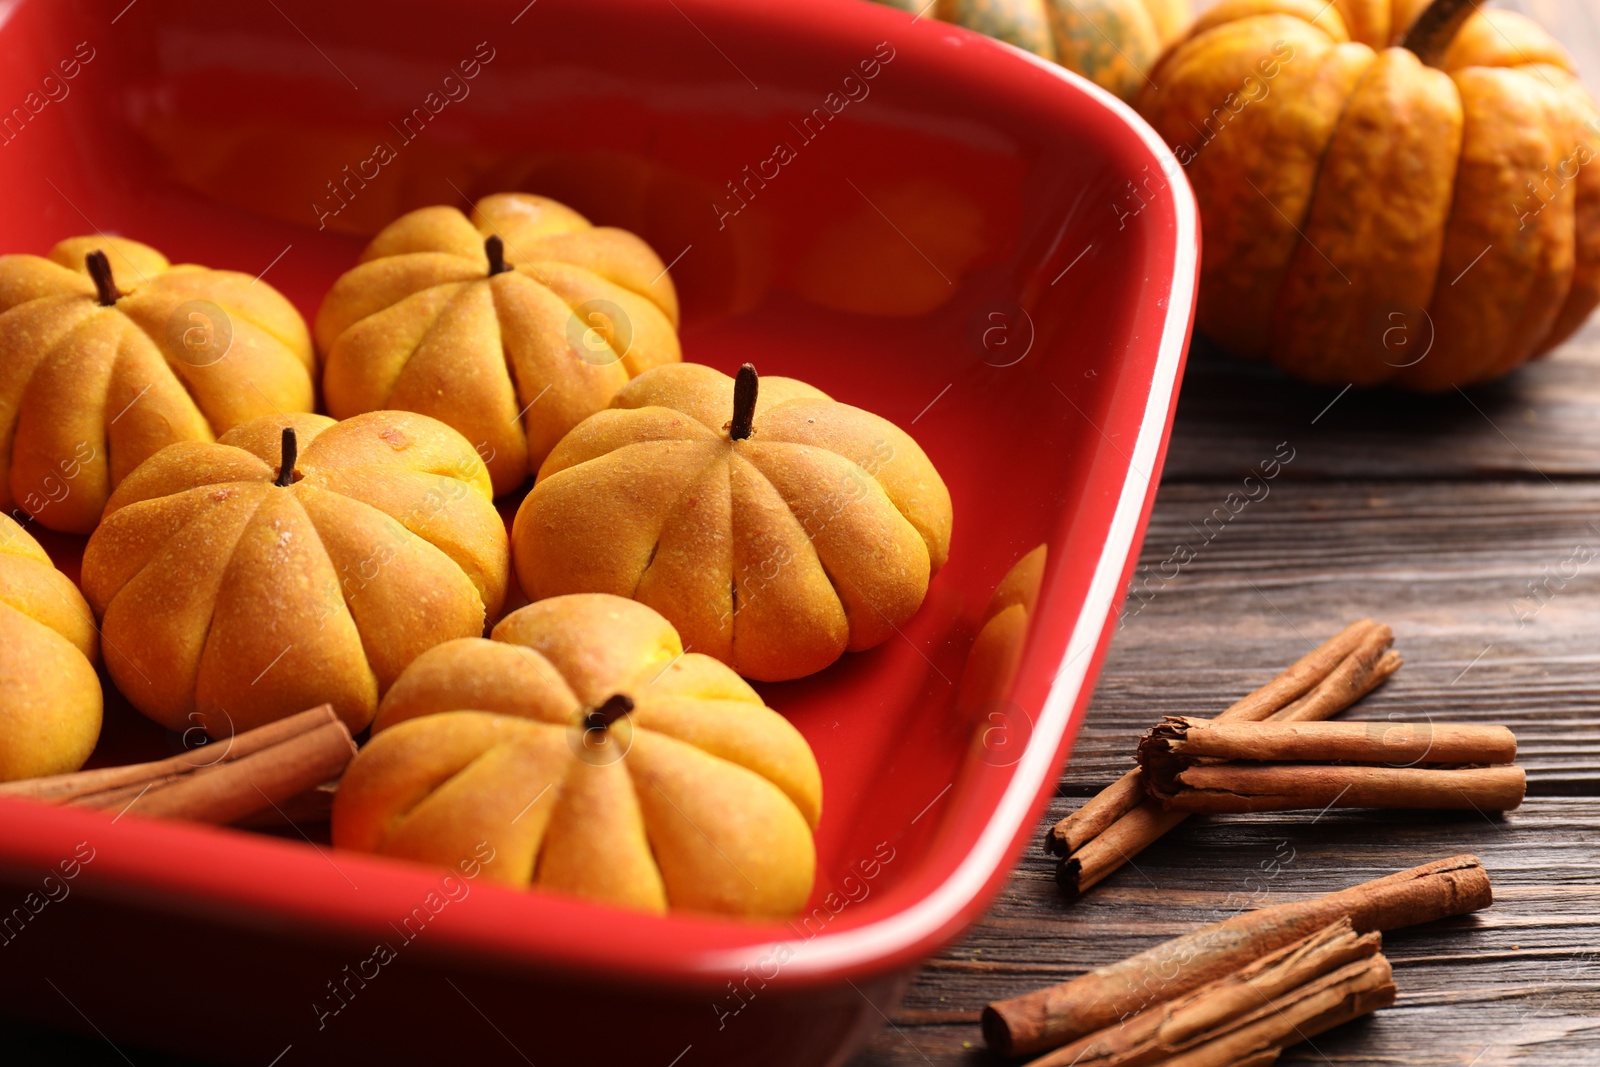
(1519, 981)
(1534, 423)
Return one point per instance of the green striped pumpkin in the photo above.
(1113, 43)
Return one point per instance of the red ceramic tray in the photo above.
(973, 243)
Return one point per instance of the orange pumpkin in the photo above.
(1113, 43)
(1426, 214)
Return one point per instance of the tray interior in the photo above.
(963, 257)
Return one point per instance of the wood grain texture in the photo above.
(1538, 421)
(1498, 984)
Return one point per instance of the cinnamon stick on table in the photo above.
(1121, 821)
(1196, 765)
(1046, 1018)
(1308, 986)
(250, 772)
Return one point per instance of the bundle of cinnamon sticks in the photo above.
(1122, 820)
(1237, 991)
(225, 782)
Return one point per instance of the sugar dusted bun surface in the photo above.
(232, 592)
(815, 532)
(592, 756)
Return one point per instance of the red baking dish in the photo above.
(986, 249)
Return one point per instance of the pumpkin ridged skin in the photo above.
(1400, 132)
(420, 325)
(1024, 23)
(1393, 188)
(699, 798)
(828, 520)
(88, 392)
(1113, 43)
(50, 700)
(228, 601)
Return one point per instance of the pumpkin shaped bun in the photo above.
(774, 540)
(295, 561)
(595, 757)
(512, 325)
(1385, 200)
(108, 353)
(50, 699)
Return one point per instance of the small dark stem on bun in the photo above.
(616, 706)
(290, 452)
(745, 387)
(100, 270)
(1430, 35)
(496, 251)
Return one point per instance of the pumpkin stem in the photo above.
(288, 454)
(616, 706)
(1430, 35)
(496, 251)
(745, 387)
(100, 270)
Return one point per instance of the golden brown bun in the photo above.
(87, 393)
(700, 798)
(828, 520)
(49, 691)
(229, 601)
(507, 360)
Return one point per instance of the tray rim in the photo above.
(969, 883)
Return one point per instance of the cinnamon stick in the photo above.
(245, 786)
(1193, 765)
(1046, 1018)
(1348, 993)
(1119, 823)
(1214, 1021)
(1096, 816)
(1122, 841)
(1403, 744)
(313, 806)
(60, 788)
(1224, 788)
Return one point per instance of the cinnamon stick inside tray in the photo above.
(1286, 996)
(252, 772)
(1046, 1018)
(1195, 765)
(241, 787)
(58, 788)
(1121, 821)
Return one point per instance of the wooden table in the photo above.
(1435, 515)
